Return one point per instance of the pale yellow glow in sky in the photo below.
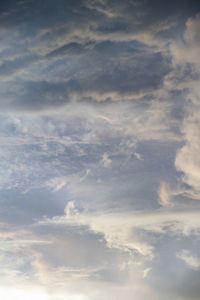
(31, 294)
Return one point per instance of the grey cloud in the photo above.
(53, 14)
(70, 49)
(79, 248)
(60, 22)
(20, 208)
(90, 77)
(69, 148)
(12, 67)
(100, 68)
(36, 96)
(174, 278)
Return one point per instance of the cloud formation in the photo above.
(99, 158)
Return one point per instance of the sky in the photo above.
(99, 150)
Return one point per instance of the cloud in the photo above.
(83, 79)
(185, 60)
(106, 160)
(10, 68)
(63, 53)
(165, 195)
(99, 158)
(188, 51)
(191, 261)
(187, 159)
(145, 272)
(117, 227)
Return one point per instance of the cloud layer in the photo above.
(99, 165)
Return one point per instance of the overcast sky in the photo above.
(99, 150)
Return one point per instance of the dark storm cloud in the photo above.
(52, 13)
(39, 95)
(79, 41)
(70, 49)
(11, 67)
(32, 16)
(105, 72)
